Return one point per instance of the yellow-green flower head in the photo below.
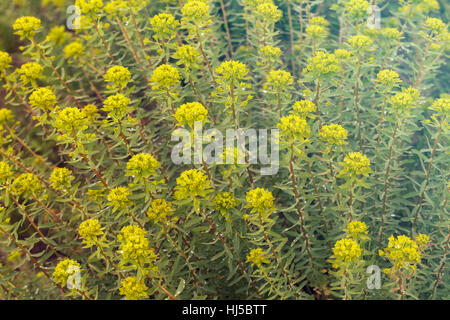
(190, 112)
(118, 197)
(6, 116)
(224, 201)
(333, 134)
(61, 178)
(269, 12)
(142, 165)
(195, 11)
(165, 77)
(279, 79)
(342, 54)
(58, 35)
(5, 172)
(355, 164)
(259, 200)
(388, 79)
(89, 230)
(43, 98)
(402, 252)
(191, 184)
(159, 210)
(117, 106)
(26, 184)
(30, 72)
(404, 100)
(270, 53)
(115, 8)
(26, 27)
(422, 240)
(346, 250)
(89, 7)
(231, 71)
(294, 128)
(69, 119)
(91, 111)
(5, 61)
(133, 289)
(134, 246)
(357, 9)
(304, 108)
(257, 257)
(319, 21)
(73, 50)
(360, 43)
(316, 31)
(119, 76)
(356, 228)
(322, 64)
(233, 155)
(188, 56)
(435, 25)
(441, 105)
(164, 25)
(390, 34)
(64, 269)
(426, 6)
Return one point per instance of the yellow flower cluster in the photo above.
(69, 119)
(117, 106)
(441, 105)
(26, 184)
(5, 61)
(422, 240)
(64, 269)
(333, 134)
(190, 112)
(43, 98)
(6, 116)
(304, 108)
(355, 164)
(119, 76)
(357, 228)
(257, 257)
(115, 8)
(231, 71)
(188, 56)
(30, 72)
(346, 250)
(91, 111)
(165, 77)
(224, 201)
(57, 35)
(316, 31)
(390, 34)
(388, 79)
(133, 289)
(191, 184)
(342, 54)
(356, 9)
(61, 178)
(322, 64)
(196, 11)
(89, 230)
(279, 79)
(142, 165)
(406, 99)
(269, 12)
(426, 6)
(159, 210)
(118, 197)
(164, 25)
(360, 43)
(134, 246)
(294, 128)
(5, 172)
(89, 6)
(26, 27)
(260, 200)
(73, 50)
(402, 252)
(435, 25)
(270, 53)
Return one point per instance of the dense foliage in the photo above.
(94, 206)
